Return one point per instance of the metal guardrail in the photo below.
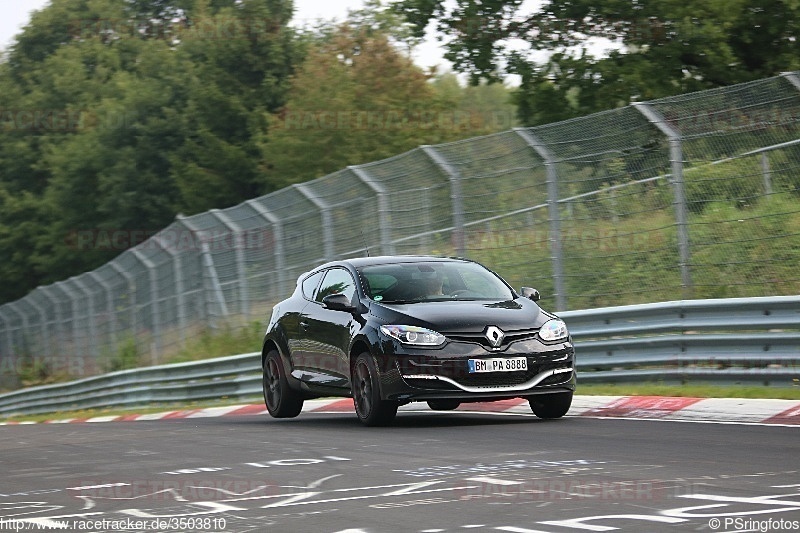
(753, 340)
(737, 340)
(235, 377)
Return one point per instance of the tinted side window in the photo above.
(310, 283)
(337, 281)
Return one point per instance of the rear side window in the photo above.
(310, 284)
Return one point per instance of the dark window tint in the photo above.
(431, 281)
(337, 281)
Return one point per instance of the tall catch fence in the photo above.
(693, 196)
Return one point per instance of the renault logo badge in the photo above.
(494, 335)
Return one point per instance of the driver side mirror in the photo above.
(530, 293)
(338, 302)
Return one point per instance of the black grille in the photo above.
(480, 338)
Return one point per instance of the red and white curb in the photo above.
(730, 410)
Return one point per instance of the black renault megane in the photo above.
(392, 330)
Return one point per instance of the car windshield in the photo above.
(432, 281)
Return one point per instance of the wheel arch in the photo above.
(359, 346)
(267, 347)
(272, 344)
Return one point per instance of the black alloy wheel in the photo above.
(281, 401)
(371, 410)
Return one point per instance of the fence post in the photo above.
(793, 78)
(131, 295)
(24, 325)
(383, 207)
(556, 252)
(45, 344)
(155, 320)
(681, 207)
(238, 232)
(765, 171)
(7, 328)
(112, 316)
(209, 272)
(66, 291)
(59, 319)
(456, 197)
(179, 287)
(216, 287)
(327, 222)
(90, 316)
(10, 363)
(277, 228)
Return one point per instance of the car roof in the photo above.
(358, 262)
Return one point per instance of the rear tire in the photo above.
(443, 405)
(370, 408)
(550, 406)
(280, 399)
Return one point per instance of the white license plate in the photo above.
(504, 364)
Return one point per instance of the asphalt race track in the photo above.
(430, 472)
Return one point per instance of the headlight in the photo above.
(554, 330)
(414, 335)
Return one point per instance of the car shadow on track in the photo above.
(403, 420)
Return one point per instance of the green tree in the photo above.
(486, 107)
(657, 48)
(355, 98)
(118, 115)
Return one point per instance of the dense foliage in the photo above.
(121, 115)
(574, 57)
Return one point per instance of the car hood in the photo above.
(464, 316)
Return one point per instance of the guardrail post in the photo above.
(155, 319)
(238, 232)
(456, 197)
(556, 252)
(383, 207)
(277, 230)
(327, 222)
(681, 208)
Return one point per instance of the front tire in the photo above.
(370, 408)
(280, 399)
(550, 406)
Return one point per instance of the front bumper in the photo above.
(438, 374)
